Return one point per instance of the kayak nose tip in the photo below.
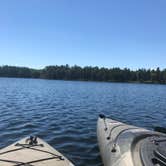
(102, 116)
(108, 138)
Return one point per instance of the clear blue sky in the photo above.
(109, 33)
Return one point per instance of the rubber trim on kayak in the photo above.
(109, 136)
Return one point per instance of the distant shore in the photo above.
(88, 73)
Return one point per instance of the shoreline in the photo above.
(132, 82)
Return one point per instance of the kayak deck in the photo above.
(126, 145)
(32, 151)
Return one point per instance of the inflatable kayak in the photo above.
(125, 145)
(32, 151)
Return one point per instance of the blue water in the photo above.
(64, 113)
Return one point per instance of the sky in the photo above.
(104, 33)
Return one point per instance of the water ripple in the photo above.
(64, 113)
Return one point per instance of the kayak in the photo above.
(32, 151)
(125, 145)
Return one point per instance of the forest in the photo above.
(87, 73)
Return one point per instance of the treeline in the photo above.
(88, 73)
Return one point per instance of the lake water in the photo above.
(64, 113)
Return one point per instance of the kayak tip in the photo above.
(102, 116)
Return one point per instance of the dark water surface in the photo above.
(64, 113)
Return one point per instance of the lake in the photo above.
(64, 113)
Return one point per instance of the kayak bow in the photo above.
(125, 145)
(32, 151)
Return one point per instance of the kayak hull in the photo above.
(122, 145)
(39, 154)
